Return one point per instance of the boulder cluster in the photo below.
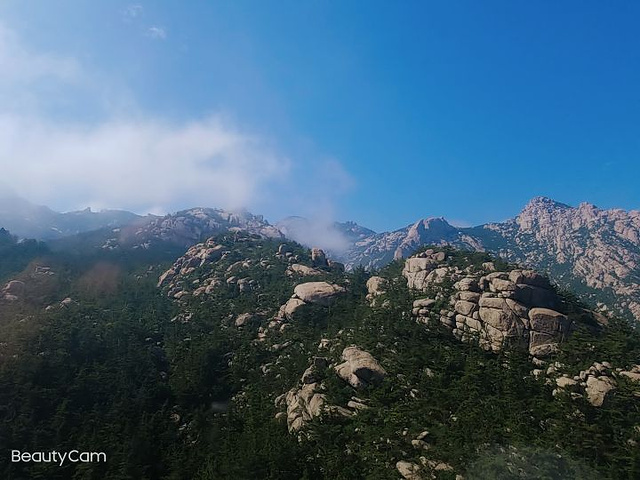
(207, 253)
(595, 382)
(310, 293)
(423, 470)
(12, 291)
(495, 308)
(308, 400)
(195, 257)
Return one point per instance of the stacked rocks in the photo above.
(496, 308)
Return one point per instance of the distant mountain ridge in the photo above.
(26, 220)
(591, 251)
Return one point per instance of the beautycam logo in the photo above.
(60, 458)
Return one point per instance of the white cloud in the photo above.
(124, 160)
(316, 231)
(156, 33)
(141, 165)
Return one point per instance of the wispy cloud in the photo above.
(131, 12)
(156, 33)
(19, 66)
(457, 222)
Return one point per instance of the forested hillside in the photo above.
(251, 358)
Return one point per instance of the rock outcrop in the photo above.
(600, 248)
(322, 294)
(12, 291)
(594, 383)
(308, 400)
(188, 226)
(408, 470)
(303, 270)
(318, 293)
(495, 308)
(359, 368)
(195, 257)
(318, 258)
(376, 286)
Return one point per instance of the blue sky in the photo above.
(380, 112)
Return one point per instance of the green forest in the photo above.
(175, 390)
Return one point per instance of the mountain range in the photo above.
(591, 251)
(26, 220)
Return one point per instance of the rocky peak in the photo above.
(539, 210)
(188, 227)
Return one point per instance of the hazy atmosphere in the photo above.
(155, 106)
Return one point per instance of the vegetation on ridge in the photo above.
(174, 389)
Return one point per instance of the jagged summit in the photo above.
(541, 201)
(592, 251)
(189, 226)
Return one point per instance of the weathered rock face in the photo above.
(12, 291)
(376, 286)
(632, 374)
(289, 308)
(245, 319)
(303, 270)
(585, 249)
(307, 400)
(187, 227)
(302, 405)
(318, 293)
(600, 247)
(378, 249)
(425, 269)
(359, 368)
(496, 308)
(408, 470)
(597, 389)
(195, 257)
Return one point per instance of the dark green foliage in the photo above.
(15, 256)
(178, 392)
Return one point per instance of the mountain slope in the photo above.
(27, 220)
(591, 251)
(251, 357)
(375, 251)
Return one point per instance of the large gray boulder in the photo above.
(359, 368)
(318, 293)
(597, 389)
(376, 286)
(408, 470)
